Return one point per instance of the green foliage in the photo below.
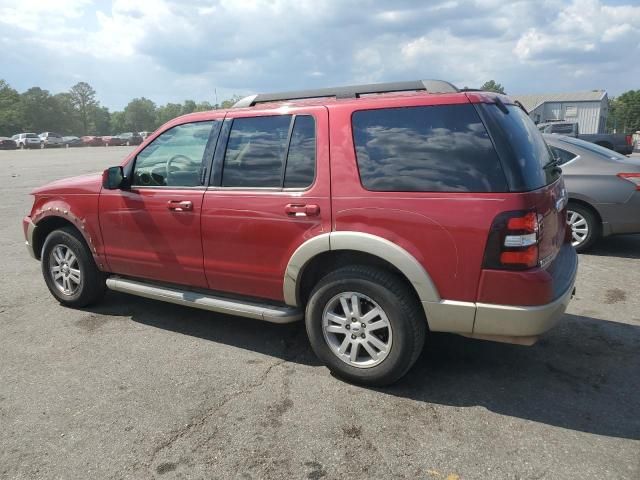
(140, 115)
(10, 113)
(492, 86)
(624, 112)
(83, 97)
(78, 112)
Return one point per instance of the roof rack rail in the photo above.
(352, 91)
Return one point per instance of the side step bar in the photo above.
(258, 311)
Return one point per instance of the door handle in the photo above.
(302, 210)
(180, 205)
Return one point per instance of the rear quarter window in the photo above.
(443, 148)
(522, 150)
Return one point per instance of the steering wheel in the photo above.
(174, 158)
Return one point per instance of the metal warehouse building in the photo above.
(589, 109)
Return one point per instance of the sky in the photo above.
(171, 50)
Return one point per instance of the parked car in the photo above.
(51, 139)
(112, 141)
(408, 221)
(603, 186)
(144, 135)
(91, 141)
(7, 144)
(618, 142)
(72, 141)
(131, 138)
(26, 140)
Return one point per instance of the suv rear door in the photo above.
(269, 193)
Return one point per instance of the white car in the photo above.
(51, 139)
(26, 140)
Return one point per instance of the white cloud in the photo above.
(168, 50)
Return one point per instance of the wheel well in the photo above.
(44, 228)
(589, 207)
(326, 262)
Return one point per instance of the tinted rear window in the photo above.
(428, 149)
(520, 145)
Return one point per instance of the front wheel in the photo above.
(366, 325)
(585, 228)
(69, 269)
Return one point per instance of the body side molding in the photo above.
(362, 242)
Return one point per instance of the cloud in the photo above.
(168, 50)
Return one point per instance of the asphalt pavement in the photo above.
(138, 389)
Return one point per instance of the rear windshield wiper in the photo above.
(553, 165)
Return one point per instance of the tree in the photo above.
(189, 107)
(167, 112)
(101, 120)
(203, 107)
(140, 115)
(117, 122)
(492, 86)
(624, 112)
(84, 100)
(39, 111)
(228, 103)
(10, 112)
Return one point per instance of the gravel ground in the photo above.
(138, 389)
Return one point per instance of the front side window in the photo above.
(426, 149)
(270, 152)
(175, 158)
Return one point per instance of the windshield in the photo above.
(592, 147)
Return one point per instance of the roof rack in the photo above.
(352, 91)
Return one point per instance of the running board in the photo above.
(258, 311)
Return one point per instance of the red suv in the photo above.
(376, 212)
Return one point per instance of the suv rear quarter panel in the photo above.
(445, 232)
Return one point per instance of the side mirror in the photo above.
(113, 178)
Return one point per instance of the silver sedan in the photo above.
(603, 187)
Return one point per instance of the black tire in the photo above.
(593, 225)
(92, 281)
(402, 309)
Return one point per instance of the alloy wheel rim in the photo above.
(357, 330)
(65, 269)
(579, 227)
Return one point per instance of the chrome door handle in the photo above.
(180, 205)
(302, 210)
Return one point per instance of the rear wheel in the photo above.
(365, 324)
(69, 270)
(585, 228)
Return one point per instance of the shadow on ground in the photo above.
(584, 375)
(622, 246)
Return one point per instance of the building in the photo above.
(588, 109)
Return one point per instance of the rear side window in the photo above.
(255, 152)
(426, 149)
(520, 145)
(270, 152)
(301, 160)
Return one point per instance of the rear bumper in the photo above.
(509, 323)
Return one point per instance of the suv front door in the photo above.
(269, 193)
(151, 229)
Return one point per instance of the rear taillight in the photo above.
(629, 139)
(632, 177)
(513, 241)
